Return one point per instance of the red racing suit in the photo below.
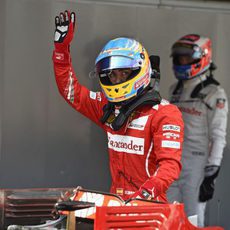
(148, 147)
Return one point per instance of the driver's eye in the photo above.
(120, 73)
(125, 73)
(183, 60)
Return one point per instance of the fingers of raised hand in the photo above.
(67, 14)
(64, 22)
(73, 17)
(62, 19)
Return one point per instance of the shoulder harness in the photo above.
(152, 97)
(196, 91)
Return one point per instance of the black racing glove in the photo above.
(64, 32)
(208, 184)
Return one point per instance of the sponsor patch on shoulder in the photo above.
(220, 103)
(92, 95)
(170, 127)
(95, 95)
(171, 135)
(170, 144)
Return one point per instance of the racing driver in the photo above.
(144, 131)
(204, 106)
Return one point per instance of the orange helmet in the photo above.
(198, 49)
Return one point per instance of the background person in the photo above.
(204, 106)
(144, 131)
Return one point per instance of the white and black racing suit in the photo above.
(205, 120)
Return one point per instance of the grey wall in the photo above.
(44, 142)
(2, 26)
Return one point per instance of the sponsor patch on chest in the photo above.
(138, 123)
(127, 144)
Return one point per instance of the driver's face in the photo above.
(184, 60)
(117, 76)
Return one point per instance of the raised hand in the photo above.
(64, 30)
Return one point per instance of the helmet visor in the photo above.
(181, 49)
(118, 76)
(116, 62)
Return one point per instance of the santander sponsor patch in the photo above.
(127, 144)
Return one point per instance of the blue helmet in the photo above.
(123, 53)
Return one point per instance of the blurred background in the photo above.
(43, 141)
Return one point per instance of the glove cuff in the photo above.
(212, 171)
(60, 56)
(149, 187)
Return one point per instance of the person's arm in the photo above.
(217, 124)
(79, 97)
(168, 132)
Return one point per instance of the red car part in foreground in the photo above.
(53, 208)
